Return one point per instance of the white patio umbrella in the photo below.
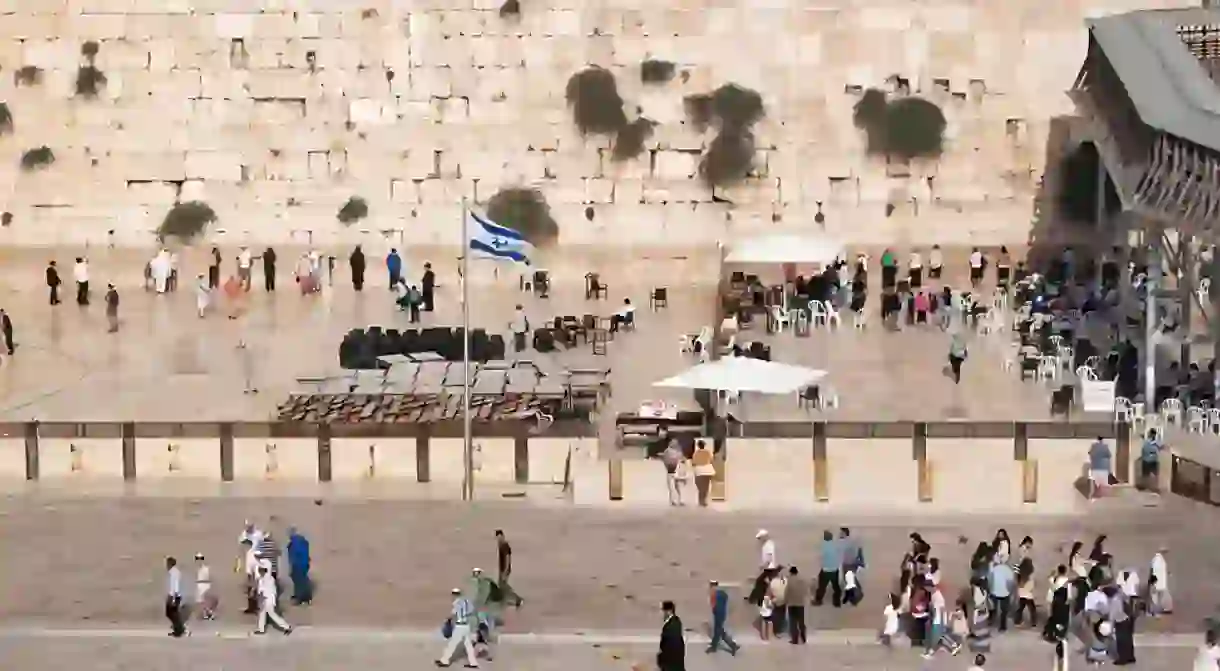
(739, 373)
(805, 248)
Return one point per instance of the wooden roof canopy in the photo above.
(1147, 87)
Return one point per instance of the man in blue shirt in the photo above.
(1099, 467)
(720, 614)
(1150, 461)
(1000, 581)
(298, 560)
(832, 562)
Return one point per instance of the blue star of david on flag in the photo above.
(492, 240)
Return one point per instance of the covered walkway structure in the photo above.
(1149, 97)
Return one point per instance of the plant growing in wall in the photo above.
(525, 210)
(653, 71)
(868, 114)
(510, 9)
(901, 129)
(6, 119)
(37, 158)
(352, 211)
(29, 75)
(89, 81)
(914, 128)
(733, 111)
(186, 222)
(597, 107)
(630, 139)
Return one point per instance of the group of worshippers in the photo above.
(1086, 598)
(781, 594)
(477, 610)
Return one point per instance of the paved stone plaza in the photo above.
(381, 564)
(168, 365)
(322, 651)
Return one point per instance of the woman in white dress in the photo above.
(203, 295)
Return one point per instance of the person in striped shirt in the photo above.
(462, 619)
(267, 550)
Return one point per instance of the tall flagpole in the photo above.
(467, 445)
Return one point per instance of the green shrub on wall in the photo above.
(653, 71)
(733, 111)
(37, 158)
(630, 139)
(29, 75)
(597, 107)
(186, 221)
(903, 128)
(526, 211)
(355, 209)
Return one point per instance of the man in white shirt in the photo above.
(1208, 658)
(80, 273)
(205, 599)
(244, 259)
(462, 618)
(976, 267)
(173, 597)
(267, 595)
(767, 564)
(250, 563)
(251, 533)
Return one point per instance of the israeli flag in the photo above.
(489, 239)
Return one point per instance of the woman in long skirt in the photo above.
(1124, 628)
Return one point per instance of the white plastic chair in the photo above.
(1204, 290)
(827, 398)
(859, 320)
(832, 315)
(1196, 420)
(1213, 420)
(1048, 367)
(1171, 411)
(1124, 411)
(823, 313)
(781, 318)
(1093, 362)
(1066, 356)
(802, 320)
(684, 345)
(1056, 342)
(1086, 374)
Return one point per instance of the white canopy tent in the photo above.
(740, 374)
(805, 248)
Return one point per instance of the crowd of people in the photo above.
(260, 561)
(1087, 597)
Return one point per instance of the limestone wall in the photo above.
(275, 112)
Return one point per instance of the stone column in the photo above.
(325, 456)
(521, 459)
(32, 465)
(423, 457)
(129, 451)
(919, 452)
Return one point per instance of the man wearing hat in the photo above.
(719, 600)
(461, 621)
(767, 565)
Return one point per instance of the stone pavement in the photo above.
(308, 650)
(168, 365)
(391, 564)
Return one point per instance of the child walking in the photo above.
(889, 624)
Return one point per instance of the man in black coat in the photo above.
(672, 654)
(358, 264)
(6, 328)
(53, 282)
(428, 282)
(269, 269)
